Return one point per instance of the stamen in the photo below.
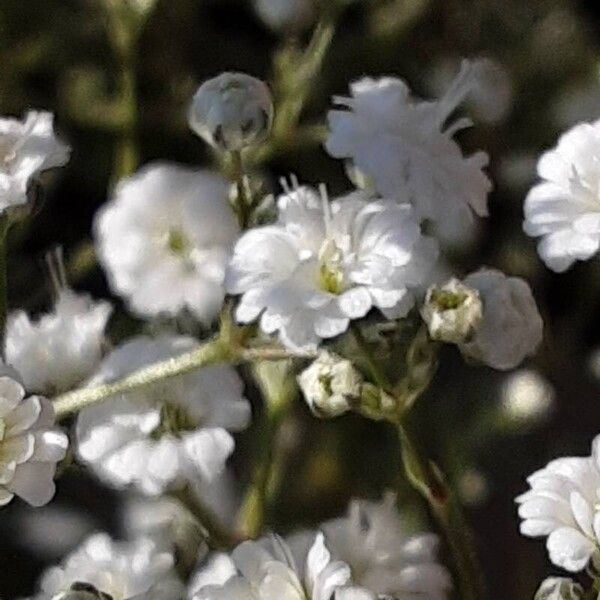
(326, 209)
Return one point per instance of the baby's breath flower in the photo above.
(559, 588)
(286, 15)
(30, 446)
(511, 327)
(27, 148)
(330, 385)
(165, 238)
(452, 312)
(564, 209)
(232, 111)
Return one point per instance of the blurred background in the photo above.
(488, 430)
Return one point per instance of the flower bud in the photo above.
(82, 591)
(232, 111)
(452, 312)
(559, 588)
(330, 385)
(286, 15)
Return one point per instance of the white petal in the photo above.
(569, 549)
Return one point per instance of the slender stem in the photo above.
(376, 372)
(426, 477)
(279, 390)
(215, 351)
(218, 536)
(4, 227)
(242, 206)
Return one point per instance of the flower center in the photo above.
(178, 243)
(174, 420)
(8, 153)
(331, 269)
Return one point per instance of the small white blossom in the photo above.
(60, 349)
(563, 505)
(406, 147)
(330, 385)
(267, 570)
(559, 588)
(116, 570)
(27, 148)
(30, 446)
(511, 327)
(165, 239)
(167, 433)
(452, 312)
(232, 111)
(323, 264)
(564, 209)
(373, 541)
(286, 15)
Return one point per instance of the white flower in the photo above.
(321, 265)
(119, 570)
(564, 209)
(451, 311)
(267, 570)
(286, 15)
(60, 349)
(382, 557)
(511, 327)
(564, 504)
(165, 239)
(167, 433)
(27, 148)
(407, 148)
(232, 111)
(330, 384)
(30, 447)
(559, 588)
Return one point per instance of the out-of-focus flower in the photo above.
(330, 385)
(286, 15)
(102, 568)
(564, 209)
(452, 312)
(563, 505)
(473, 487)
(167, 433)
(323, 264)
(27, 148)
(30, 446)
(408, 150)
(165, 239)
(266, 570)
(372, 540)
(62, 348)
(526, 397)
(511, 328)
(559, 588)
(232, 111)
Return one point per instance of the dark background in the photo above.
(54, 54)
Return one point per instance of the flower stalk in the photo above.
(4, 227)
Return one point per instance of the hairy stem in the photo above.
(426, 477)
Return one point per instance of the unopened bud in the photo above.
(286, 15)
(331, 385)
(452, 312)
(82, 591)
(232, 111)
(559, 588)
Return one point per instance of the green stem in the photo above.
(376, 371)
(427, 479)
(279, 390)
(4, 227)
(217, 535)
(242, 206)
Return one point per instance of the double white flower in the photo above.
(165, 434)
(564, 209)
(30, 446)
(406, 147)
(322, 264)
